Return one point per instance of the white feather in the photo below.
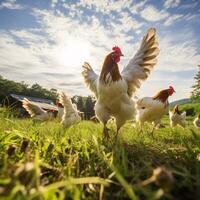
(60, 113)
(70, 115)
(150, 110)
(90, 78)
(140, 66)
(177, 119)
(114, 101)
(35, 111)
(196, 122)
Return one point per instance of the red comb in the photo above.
(116, 49)
(171, 88)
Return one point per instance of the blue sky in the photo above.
(46, 41)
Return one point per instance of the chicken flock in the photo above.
(68, 115)
(115, 92)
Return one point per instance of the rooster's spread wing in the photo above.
(140, 66)
(90, 78)
(32, 108)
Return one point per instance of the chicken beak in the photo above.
(122, 54)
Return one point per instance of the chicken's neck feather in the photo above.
(162, 96)
(176, 110)
(110, 67)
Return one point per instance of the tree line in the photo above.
(7, 87)
(84, 104)
(196, 87)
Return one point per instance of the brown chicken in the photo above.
(151, 109)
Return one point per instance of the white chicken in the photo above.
(196, 121)
(113, 90)
(151, 109)
(68, 115)
(71, 114)
(35, 111)
(177, 118)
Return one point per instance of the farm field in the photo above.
(65, 66)
(45, 161)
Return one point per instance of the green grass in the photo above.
(192, 109)
(75, 163)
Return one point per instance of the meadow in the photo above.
(45, 161)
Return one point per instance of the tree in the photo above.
(8, 87)
(196, 87)
(89, 107)
(80, 104)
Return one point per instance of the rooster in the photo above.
(177, 118)
(196, 121)
(151, 109)
(35, 111)
(113, 90)
(71, 114)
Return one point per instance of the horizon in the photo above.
(46, 42)
(29, 85)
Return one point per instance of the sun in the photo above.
(74, 52)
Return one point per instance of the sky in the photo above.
(47, 41)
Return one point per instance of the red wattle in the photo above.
(117, 59)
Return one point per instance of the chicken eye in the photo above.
(143, 107)
(113, 54)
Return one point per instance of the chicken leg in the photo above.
(105, 132)
(152, 131)
(117, 133)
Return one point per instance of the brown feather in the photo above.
(149, 65)
(162, 96)
(152, 50)
(176, 110)
(148, 58)
(109, 66)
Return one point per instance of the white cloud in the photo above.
(108, 6)
(119, 26)
(105, 6)
(53, 3)
(172, 18)
(150, 13)
(61, 43)
(128, 22)
(178, 56)
(56, 47)
(22, 57)
(190, 5)
(192, 17)
(11, 4)
(171, 3)
(136, 7)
